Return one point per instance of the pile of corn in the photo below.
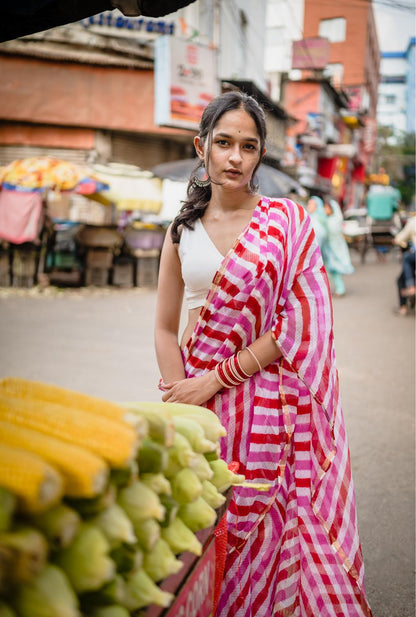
(98, 500)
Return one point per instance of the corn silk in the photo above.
(293, 550)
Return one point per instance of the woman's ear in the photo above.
(199, 148)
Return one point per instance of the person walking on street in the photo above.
(335, 251)
(258, 351)
(406, 239)
(316, 210)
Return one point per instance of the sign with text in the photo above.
(196, 597)
(310, 53)
(185, 81)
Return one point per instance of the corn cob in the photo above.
(142, 591)
(29, 551)
(223, 477)
(116, 525)
(186, 486)
(25, 388)
(48, 595)
(161, 562)
(212, 495)
(59, 524)
(180, 538)
(140, 503)
(152, 457)
(157, 482)
(86, 561)
(147, 533)
(160, 424)
(127, 557)
(36, 483)
(193, 431)
(116, 442)
(110, 611)
(7, 508)
(202, 468)
(112, 592)
(197, 515)
(171, 509)
(84, 473)
(213, 428)
(92, 506)
(180, 455)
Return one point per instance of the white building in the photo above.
(392, 93)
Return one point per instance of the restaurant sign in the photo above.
(185, 81)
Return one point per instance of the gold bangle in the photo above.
(255, 357)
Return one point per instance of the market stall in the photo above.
(109, 510)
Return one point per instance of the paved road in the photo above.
(101, 342)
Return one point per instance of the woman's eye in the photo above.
(250, 147)
(222, 142)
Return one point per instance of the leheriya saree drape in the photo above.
(293, 550)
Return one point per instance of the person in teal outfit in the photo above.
(335, 251)
(316, 210)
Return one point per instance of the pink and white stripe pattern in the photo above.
(293, 550)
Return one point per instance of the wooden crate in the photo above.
(4, 270)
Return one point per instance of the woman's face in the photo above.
(311, 206)
(235, 150)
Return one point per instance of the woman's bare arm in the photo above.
(168, 313)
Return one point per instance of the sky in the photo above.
(396, 23)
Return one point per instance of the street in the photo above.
(100, 341)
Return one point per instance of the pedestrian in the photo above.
(406, 239)
(258, 351)
(316, 210)
(335, 251)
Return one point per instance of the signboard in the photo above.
(114, 22)
(196, 597)
(310, 53)
(185, 81)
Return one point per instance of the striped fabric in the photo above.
(293, 550)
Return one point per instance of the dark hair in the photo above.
(198, 196)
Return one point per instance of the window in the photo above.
(333, 29)
(390, 99)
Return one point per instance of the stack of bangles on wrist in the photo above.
(230, 373)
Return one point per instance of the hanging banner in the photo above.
(185, 81)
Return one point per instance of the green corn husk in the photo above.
(86, 561)
(160, 424)
(87, 507)
(180, 538)
(48, 595)
(152, 457)
(123, 476)
(186, 486)
(202, 468)
(59, 525)
(6, 610)
(157, 482)
(171, 509)
(112, 592)
(194, 433)
(8, 503)
(142, 591)
(110, 611)
(127, 557)
(223, 477)
(6, 559)
(210, 423)
(180, 455)
(147, 533)
(161, 562)
(116, 525)
(198, 515)
(27, 551)
(212, 456)
(212, 495)
(140, 502)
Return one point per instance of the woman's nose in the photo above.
(235, 154)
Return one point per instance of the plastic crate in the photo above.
(99, 258)
(123, 274)
(147, 268)
(97, 277)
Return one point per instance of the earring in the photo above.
(201, 178)
(253, 185)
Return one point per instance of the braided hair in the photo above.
(198, 196)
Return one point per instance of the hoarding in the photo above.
(185, 81)
(310, 53)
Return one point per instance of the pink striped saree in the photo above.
(293, 550)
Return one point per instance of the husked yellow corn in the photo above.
(116, 442)
(85, 474)
(26, 388)
(36, 483)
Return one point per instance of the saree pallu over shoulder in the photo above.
(294, 549)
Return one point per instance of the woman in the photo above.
(335, 251)
(316, 210)
(258, 351)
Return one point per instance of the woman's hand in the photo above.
(193, 391)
